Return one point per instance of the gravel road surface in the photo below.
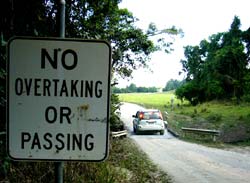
(187, 162)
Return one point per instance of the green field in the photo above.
(232, 120)
(149, 99)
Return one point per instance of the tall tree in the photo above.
(218, 68)
(232, 61)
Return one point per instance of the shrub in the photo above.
(246, 98)
(115, 121)
(214, 117)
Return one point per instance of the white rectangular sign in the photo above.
(58, 99)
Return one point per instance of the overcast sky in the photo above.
(199, 19)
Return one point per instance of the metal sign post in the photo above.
(61, 18)
(59, 165)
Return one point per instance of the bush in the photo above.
(115, 121)
(246, 98)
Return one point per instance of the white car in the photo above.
(149, 120)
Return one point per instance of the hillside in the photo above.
(232, 120)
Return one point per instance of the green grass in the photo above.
(150, 99)
(232, 120)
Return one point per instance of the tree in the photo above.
(131, 46)
(132, 88)
(87, 19)
(246, 40)
(193, 63)
(172, 85)
(189, 91)
(218, 68)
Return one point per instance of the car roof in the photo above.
(149, 110)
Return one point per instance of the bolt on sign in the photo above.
(58, 99)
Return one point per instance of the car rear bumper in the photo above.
(155, 128)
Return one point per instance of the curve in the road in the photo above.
(187, 162)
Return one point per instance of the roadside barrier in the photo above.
(122, 133)
(213, 133)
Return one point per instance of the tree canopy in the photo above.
(86, 19)
(172, 84)
(218, 68)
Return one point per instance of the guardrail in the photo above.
(213, 133)
(122, 133)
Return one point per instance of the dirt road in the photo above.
(187, 162)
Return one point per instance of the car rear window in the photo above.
(151, 115)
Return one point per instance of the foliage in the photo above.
(218, 68)
(131, 47)
(173, 84)
(88, 19)
(190, 91)
(115, 121)
(132, 88)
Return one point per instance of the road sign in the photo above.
(58, 99)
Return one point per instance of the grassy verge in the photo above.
(232, 120)
(125, 164)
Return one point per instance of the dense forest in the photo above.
(218, 68)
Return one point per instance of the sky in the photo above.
(198, 19)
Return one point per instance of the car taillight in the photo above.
(141, 116)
